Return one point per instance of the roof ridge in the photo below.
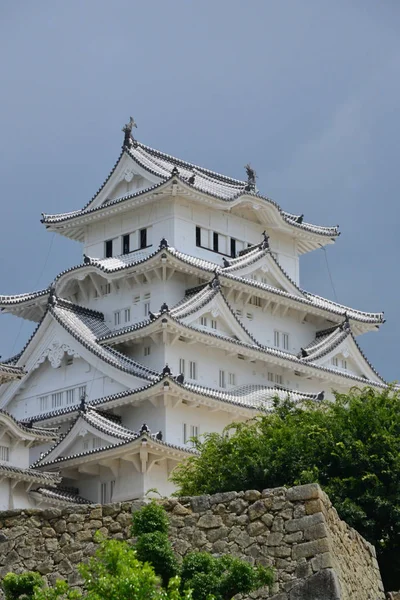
(81, 310)
(190, 165)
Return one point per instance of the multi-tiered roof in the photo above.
(215, 284)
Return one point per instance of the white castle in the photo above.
(185, 315)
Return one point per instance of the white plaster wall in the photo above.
(201, 417)
(21, 498)
(176, 220)
(157, 214)
(157, 479)
(5, 494)
(170, 292)
(133, 417)
(46, 380)
(210, 360)
(129, 483)
(264, 323)
(188, 215)
(14, 499)
(19, 455)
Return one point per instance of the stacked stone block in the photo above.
(314, 554)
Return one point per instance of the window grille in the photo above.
(281, 340)
(43, 403)
(192, 370)
(108, 248)
(126, 244)
(57, 399)
(222, 382)
(4, 453)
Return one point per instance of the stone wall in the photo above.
(315, 555)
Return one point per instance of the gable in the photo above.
(49, 387)
(264, 270)
(216, 318)
(348, 358)
(82, 437)
(128, 177)
(45, 360)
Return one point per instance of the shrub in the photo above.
(21, 587)
(156, 549)
(208, 577)
(113, 573)
(222, 577)
(350, 446)
(149, 519)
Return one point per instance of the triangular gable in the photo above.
(127, 177)
(212, 315)
(261, 266)
(52, 340)
(355, 361)
(83, 436)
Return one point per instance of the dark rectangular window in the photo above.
(233, 247)
(198, 237)
(125, 244)
(109, 248)
(215, 241)
(143, 238)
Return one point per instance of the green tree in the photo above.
(150, 526)
(208, 577)
(20, 587)
(350, 446)
(114, 572)
(221, 577)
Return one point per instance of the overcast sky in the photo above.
(307, 91)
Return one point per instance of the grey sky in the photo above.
(307, 91)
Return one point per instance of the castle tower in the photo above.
(185, 315)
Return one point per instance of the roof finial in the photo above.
(346, 323)
(127, 129)
(163, 244)
(164, 307)
(251, 178)
(215, 283)
(265, 242)
(166, 370)
(82, 406)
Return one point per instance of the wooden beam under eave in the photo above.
(112, 464)
(89, 469)
(82, 290)
(134, 460)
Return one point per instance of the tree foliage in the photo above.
(20, 587)
(208, 577)
(114, 572)
(350, 446)
(221, 577)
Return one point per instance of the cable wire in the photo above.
(36, 284)
(329, 273)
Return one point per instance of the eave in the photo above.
(168, 392)
(169, 329)
(309, 237)
(129, 450)
(168, 258)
